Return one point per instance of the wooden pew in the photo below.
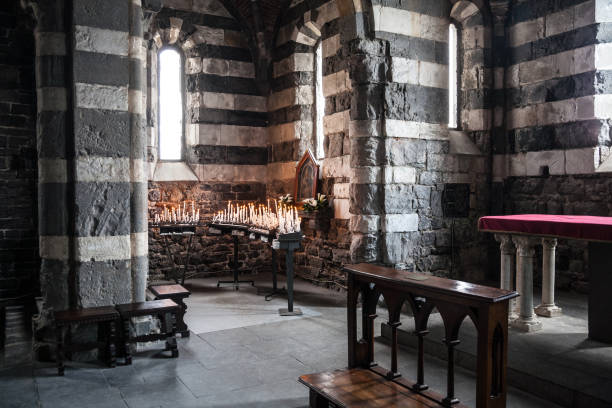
(367, 384)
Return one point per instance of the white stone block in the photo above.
(208, 35)
(581, 161)
(216, 100)
(518, 165)
(560, 22)
(366, 175)
(208, 134)
(364, 223)
(103, 248)
(330, 85)
(337, 122)
(281, 171)
(603, 106)
(554, 159)
(404, 70)
(400, 175)
(240, 69)
(215, 66)
(331, 46)
(603, 11)
(398, 21)
(556, 112)
(433, 28)
(400, 222)
(193, 65)
(336, 167)
(341, 208)
(603, 56)
(101, 97)
(341, 190)
(93, 39)
(522, 117)
(527, 31)
(433, 75)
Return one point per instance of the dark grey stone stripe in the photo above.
(139, 207)
(107, 14)
(292, 80)
(474, 21)
(107, 282)
(220, 51)
(138, 126)
(102, 208)
(140, 268)
(414, 103)
(289, 48)
(333, 64)
(337, 103)
(136, 74)
(298, 11)
(431, 8)
(330, 29)
(213, 154)
(51, 17)
(55, 281)
(192, 18)
(225, 84)
(291, 114)
(574, 86)
(284, 151)
(135, 17)
(530, 10)
(50, 71)
(478, 98)
(230, 117)
(574, 135)
(569, 40)
(416, 48)
(102, 133)
(51, 131)
(52, 209)
(103, 69)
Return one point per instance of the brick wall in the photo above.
(19, 260)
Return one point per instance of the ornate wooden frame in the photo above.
(308, 157)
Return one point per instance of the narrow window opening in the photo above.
(170, 106)
(452, 76)
(319, 102)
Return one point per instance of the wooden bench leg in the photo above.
(111, 339)
(317, 400)
(126, 340)
(60, 349)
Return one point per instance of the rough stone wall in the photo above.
(552, 158)
(292, 128)
(19, 261)
(420, 156)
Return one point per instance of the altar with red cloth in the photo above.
(518, 234)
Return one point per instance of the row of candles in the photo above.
(283, 218)
(178, 215)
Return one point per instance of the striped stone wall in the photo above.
(226, 153)
(419, 155)
(292, 127)
(91, 147)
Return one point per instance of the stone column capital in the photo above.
(506, 245)
(524, 245)
(549, 243)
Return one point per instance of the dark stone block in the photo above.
(291, 80)
(51, 71)
(285, 151)
(136, 19)
(399, 199)
(104, 282)
(208, 154)
(108, 14)
(334, 145)
(366, 102)
(366, 199)
(285, 50)
(223, 84)
(139, 204)
(229, 117)
(247, 155)
(52, 209)
(220, 51)
(137, 74)
(103, 69)
(367, 151)
(102, 133)
(102, 208)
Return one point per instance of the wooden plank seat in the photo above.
(178, 294)
(164, 309)
(367, 384)
(104, 317)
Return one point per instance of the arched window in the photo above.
(170, 105)
(452, 76)
(319, 102)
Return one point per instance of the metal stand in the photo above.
(181, 230)
(235, 282)
(268, 295)
(290, 242)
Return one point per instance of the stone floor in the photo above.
(253, 364)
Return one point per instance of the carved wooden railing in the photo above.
(455, 300)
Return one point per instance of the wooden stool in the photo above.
(165, 309)
(105, 317)
(176, 293)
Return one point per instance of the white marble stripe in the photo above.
(52, 171)
(95, 96)
(135, 101)
(331, 45)
(297, 62)
(286, 132)
(337, 122)
(559, 162)
(103, 248)
(137, 48)
(281, 171)
(51, 99)
(53, 247)
(102, 169)
(218, 100)
(139, 244)
(50, 43)
(410, 23)
(415, 72)
(100, 40)
(300, 95)
(229, 135)
(415, 130)
(139, 171)
(336, 83)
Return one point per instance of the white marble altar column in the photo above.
(526, 320)
(508, 257)
(548, 307)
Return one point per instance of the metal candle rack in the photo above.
(289, 242)
(169, 230)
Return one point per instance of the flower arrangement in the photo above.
(316, 204)
(286, 199)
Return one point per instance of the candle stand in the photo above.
(169, 230)
(236, 231)
(289, 242)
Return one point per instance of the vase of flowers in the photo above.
(317, 211)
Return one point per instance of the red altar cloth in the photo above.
(563, 226)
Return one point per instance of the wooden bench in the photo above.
(367, 384)
(177, 294)
(105, 317)
(164, 309)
